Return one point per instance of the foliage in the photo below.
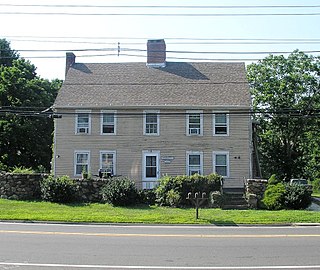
(297, 197)
(173, 191)
(6, 53)
(61, 189)
(273, 180)
(316, 184)
(274, 196)
(285, 95)
(120, 192)
(22, 170)
(25, 132)
(147, 196)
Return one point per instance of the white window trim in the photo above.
(115, 122)
(75, 160)
(114, 159)
(201, 122)
(214, 123)
(214, 153)
(145, 122)
(151, 153)
(76, 122)
(187, 160)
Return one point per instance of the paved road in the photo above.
(54, 246)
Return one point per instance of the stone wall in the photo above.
(20, 186)
(254, 189)
(27, 187)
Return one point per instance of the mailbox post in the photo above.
(197, 200)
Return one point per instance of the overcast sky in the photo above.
(42, 31)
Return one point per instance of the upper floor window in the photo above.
(151, 123)
(194, 163)
(221, 163)
(81, 162)
(83, 122)
(220, 124)
(108, 162)
(108, 122)
(194, 123)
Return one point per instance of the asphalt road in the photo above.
(55, 246)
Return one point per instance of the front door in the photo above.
(151, 168)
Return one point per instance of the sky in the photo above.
(194, 30)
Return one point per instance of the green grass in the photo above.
(104, 213)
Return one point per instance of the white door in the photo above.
(151, 168)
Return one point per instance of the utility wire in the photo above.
(159, 6)
(160, 14)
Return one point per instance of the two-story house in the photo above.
(146, 120)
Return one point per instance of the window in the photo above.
(108, 162)
(81, 162)
(151, 123)
(83, 122)
(221, 163)
(108, 122)
(194, 163)
(220, 124)
(194, 123)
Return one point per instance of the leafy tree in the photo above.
(7, 55)
(286, 94)
(25, 133)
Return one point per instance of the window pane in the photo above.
(221, 170)
(151, 118)
(194, 159)
(151, 161)
(221, 160)
(82, 158)
(220, 130)
(221, 118)
(107, 161)
(108, 118)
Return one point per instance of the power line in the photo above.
(161, 6)
(161, 14)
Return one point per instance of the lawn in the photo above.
(104, 213)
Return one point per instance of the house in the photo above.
(146, 120)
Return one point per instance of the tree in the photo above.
(7, 55)
(25, 132)
(286, 98)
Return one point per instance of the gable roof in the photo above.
(179, 84)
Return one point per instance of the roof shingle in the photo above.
(179, 84)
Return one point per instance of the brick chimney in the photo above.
(70, 60)
(156, 53)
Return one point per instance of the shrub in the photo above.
(147, 196)
(61, 189)
(297, 197)
(274, 196)
(170, 187)
(22, 170)
(120, 192)
(316, 184)
(273, 180)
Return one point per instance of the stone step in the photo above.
(234, 199)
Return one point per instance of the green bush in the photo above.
(316, 184)
(61, 189)
(173, 191)
(274, 196)
(22, 170)
(147, 196)
(120, 192)
(273, 180)
(297, 197)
